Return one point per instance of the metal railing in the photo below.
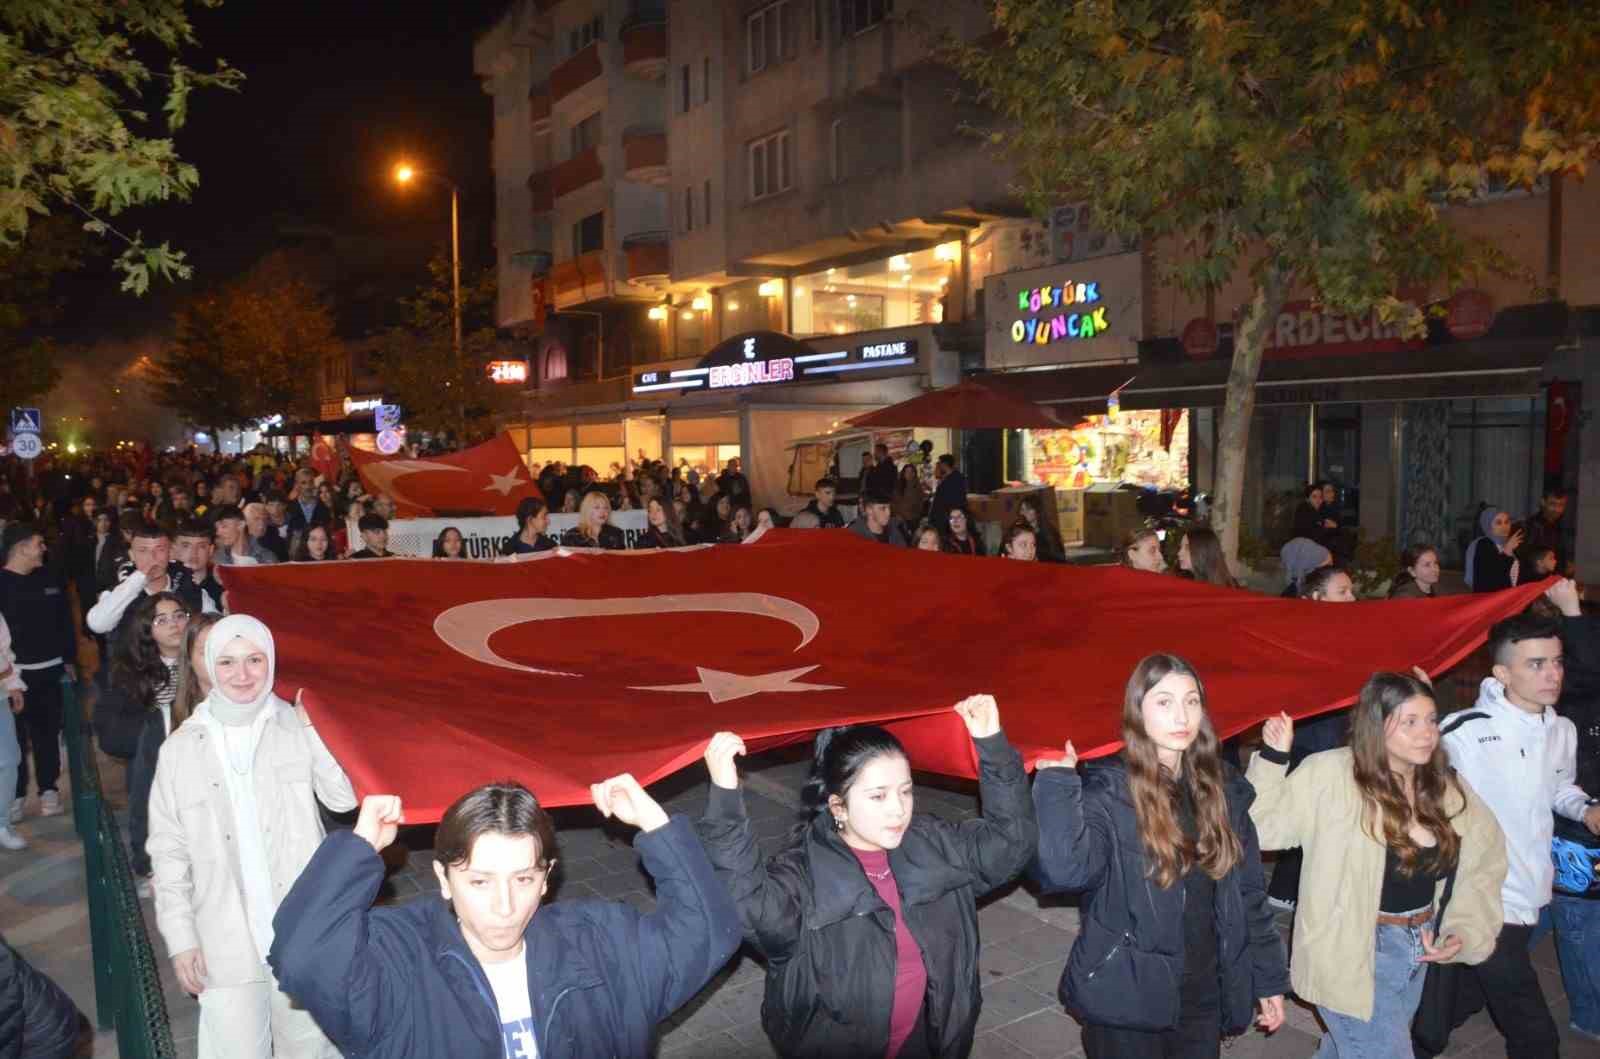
(127, 976)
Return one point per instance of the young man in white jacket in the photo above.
(1521, 758)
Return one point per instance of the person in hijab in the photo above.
(233, 821)
(1301, 556)
(1492, 558)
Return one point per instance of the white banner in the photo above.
(485, 538)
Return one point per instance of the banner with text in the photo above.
(485, 538)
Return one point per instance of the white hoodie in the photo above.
(1523, 765)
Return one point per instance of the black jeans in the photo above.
(39, 727)
(1507, 984)
(1197, 1036)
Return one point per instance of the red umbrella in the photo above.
(968, 405)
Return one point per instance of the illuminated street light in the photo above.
(403, 173)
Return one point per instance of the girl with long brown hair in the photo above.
(1384, 824)
(1177, 947)
(1141, 550)
(1200, 556)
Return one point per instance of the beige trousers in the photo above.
(258, 1021)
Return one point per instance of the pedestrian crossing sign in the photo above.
(26, 421)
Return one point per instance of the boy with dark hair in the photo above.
(533, 525)
(147, 570)
(1519, 756)
(822, 506)
(491, 971)
(374, 535)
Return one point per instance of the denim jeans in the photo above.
(1577, 923)
(1396, 991)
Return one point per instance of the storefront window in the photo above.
(1134, 448)
(898, 291)
(1496, 453)
(690, 326)
(754, 305)
(704, 459)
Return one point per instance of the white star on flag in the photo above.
(725, 687)
(504, 483)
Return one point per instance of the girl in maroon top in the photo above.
(868, 917)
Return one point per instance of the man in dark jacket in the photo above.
(487, 972)
(949, 494)
(34, 604)
(877, 523)
(305, 509)
(1543, 527)
(881, 479)
(38, 1020)
(822, 505)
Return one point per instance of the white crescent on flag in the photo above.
(384, 473)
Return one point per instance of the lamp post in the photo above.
(404, 174)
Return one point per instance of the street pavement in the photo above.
(1025, 938)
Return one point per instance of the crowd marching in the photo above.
(1423, 852)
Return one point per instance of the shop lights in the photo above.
(733, 307)
(771, 288)
(898, 263)
(686, 315)
(700, 304)
(799, 292)
(946, 252)
(657, 312)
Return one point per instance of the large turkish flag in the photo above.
(489, 478)
(427, 677)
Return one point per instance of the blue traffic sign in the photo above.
(26, 421)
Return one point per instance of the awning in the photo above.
(968, 405)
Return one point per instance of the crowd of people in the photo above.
(1421, 853)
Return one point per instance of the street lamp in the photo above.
(405, 174)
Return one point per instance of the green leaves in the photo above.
(74, 92)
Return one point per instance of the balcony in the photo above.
(644, 43)
(579, 70)
(578, 171)
(647, 259)
(539, 109)
(581, 279)
(644, 155)
(539, 186)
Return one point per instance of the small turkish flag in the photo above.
(567, 667)
(324, 458)
(490, 479)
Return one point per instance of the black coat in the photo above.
(828, 937)
(38, 1020)
(1127, 964)
(1580, 694)
(400, 983)
(1491, 568)
(611, 539)
(141, 777)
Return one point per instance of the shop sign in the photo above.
(1068, 310)
(763, 358)
(352, 405)
(1200, 338)
(1469, 313)
(1303, 330)
(508, 371)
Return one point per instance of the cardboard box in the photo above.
(1069, 516)
(1109, 512)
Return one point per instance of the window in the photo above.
(765, 36)
(589, 234)
(705, 80)
(684, 97)
(858, 15)
(587, 133)
(770, 169)
(582, 36)
(705, 214)
(688, 209)
(836, 150)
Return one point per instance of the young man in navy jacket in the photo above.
(486, 973)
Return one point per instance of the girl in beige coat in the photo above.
(233, 820)
(1383, 822)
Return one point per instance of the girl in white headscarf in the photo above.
(233, 820)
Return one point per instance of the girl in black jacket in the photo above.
(1177, 947)
(868, 921)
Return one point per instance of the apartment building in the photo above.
(805, 242)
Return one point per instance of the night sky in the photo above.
(335, 92)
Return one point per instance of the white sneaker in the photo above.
(49, 804)
(9, 839)
(17, 807)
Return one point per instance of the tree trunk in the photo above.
(1249, 343)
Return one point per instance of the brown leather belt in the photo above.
(1415, 919)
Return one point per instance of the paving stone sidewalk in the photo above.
(1025, 939)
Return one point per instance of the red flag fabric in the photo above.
(564, 668)
(489, 478)
(325, 458)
